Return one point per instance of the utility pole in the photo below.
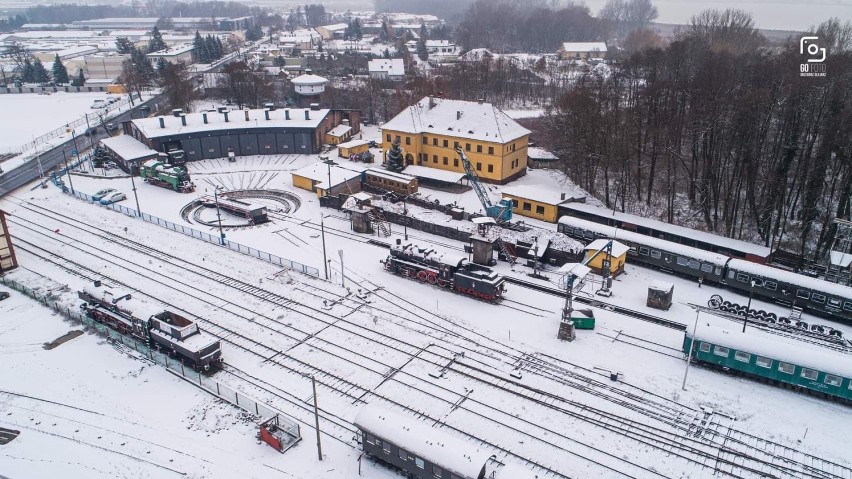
(748, 308)
(405, 214)
(691, 348)
(133, 182)
(77, 150)
(40, 169)
(324, 258)
(316, 417)
(68, 171)
(342, 271)
(218, 214)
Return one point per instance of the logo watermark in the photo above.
(815, 55)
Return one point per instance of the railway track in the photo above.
(360, 393)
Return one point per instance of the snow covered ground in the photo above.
(383, 345)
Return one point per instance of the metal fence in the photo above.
(212, 239)
(226, 393)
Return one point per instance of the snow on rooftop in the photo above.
(319, 171)
(434, 173)
(789, 277)
(843, 260)
(393, 67)
(536, 153)
(352, 143)
(584, 46)
(128, 147)
(661, 286)
(150, 127)
(340, 130)
(389, 175)
(618, 249)
(702, 236)
(464, 119)
(779, 348)
(309, 79)
(534, 193)
(177, 50)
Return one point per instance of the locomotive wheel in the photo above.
(432, 279)
(715, 302)
(727, 304)
(422, 275)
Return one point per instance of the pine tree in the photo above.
(80, 79)
(219, 47)
(254, 33)
(161, 64)
(395, 161)
(60, 73)
(213, 48)
(156, 43)
(39, 72)
(27, 73)
(123, 45)
(201, 53)
(384, 32)
(99, 156)
(422, 53)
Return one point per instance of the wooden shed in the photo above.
(615, 261)
(353, 147)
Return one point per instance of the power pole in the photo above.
(342, 272)
(68, 171)
(691, 348)
(133, 182)
(218, 214)
(324, 258)
(316, 417)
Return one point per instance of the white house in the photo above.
(393, 69)
(582, 50)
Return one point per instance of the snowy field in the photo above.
(383, 339)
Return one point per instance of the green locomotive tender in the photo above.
(158, 173)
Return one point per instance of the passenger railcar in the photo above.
(390, 181)
(811, 294)
(446, 271)
(253, 213)
(772, 358)
(167, 331)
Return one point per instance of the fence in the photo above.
(239, 248)
(226, 393)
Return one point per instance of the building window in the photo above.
(809, 374)
(707, 268)
(527, 206)
(721, 351)
(407, 140)
(803, 294)
(446, 143)
(832, 380)
(445, 161)
(705, 347)
(490, 150)
(514, 203)
(434, 142)
(378, 442)
(455, 145)
(479, 148)
(643, 250)
(818, 298)
(434, 158)
(419, 463)
(786, 368)
(386, 447)
(491, 168)
(763, 362)
(456, 162)
(539, 209)
(656, 254)
(770, 285)
(397, 137)
(437, 471)
(681, 261)
(467, 146)
(402, 453)
(425, 140)
(370, 439)
(742, 278)
(478, 166)
(741, 356)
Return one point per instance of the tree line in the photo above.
(718, 131)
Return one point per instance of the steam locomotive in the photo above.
(165, 330)
(445, 270)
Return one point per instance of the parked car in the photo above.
(3, 295)
(98, 104)
(114, 197)
(111, 127)
(104, 192)
(91, 131)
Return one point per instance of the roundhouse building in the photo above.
(213, 134)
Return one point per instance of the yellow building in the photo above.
(352, 147)
(339, 134)
(582, 50)
(616, 260)
(316, 177)
(430, 130)
(533, 202)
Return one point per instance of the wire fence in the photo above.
(186, 230)
(175, 366)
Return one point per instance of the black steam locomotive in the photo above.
(171, 333)
(446, 271)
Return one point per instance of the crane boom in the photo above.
(501, 212)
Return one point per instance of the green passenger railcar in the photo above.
(777, 360)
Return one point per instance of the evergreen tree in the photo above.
(161, 64)
(123, 45)
(60, 73)
(384, 32)
(422, 53)
(202, 55)
(156, 43)
(213, 48)
(424, 34)
(395, 161)
(386, 53)
(99, 156)
(27, 73)
(219, 47)
(40, 72)
(80, 79)
(254, 33)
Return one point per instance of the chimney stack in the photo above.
(287, 114)
(270, 106)
(481, 101)
(162, 122)
(247, 115)
(266, 113)
(177, 112)
(226, 116)
(315, 106)
(563, 196)
(458, 115)
(307, 113)
(183, 119)
(204, 117)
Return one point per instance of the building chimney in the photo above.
(183, 119)
(458, 115)
(226, 116)
(177, 112)
(431, 102)
(315, 106)
(345, 121)
(204, 117)
(247, 115)
(481, 101)
(562, 196)
(307, 113)
(287, 114)
(307, 71)
(162, 122)
(266, 113)
(270, 106)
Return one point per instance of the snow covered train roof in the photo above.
(629, 236)
(418, 437)
(779, 348)
(136, 307)
(702, 236)
(464, 119)
(842, 292)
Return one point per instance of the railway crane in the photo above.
(502, 211)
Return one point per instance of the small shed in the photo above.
(353, 147)
(660, 295)
(615, 261)
(339, 134)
